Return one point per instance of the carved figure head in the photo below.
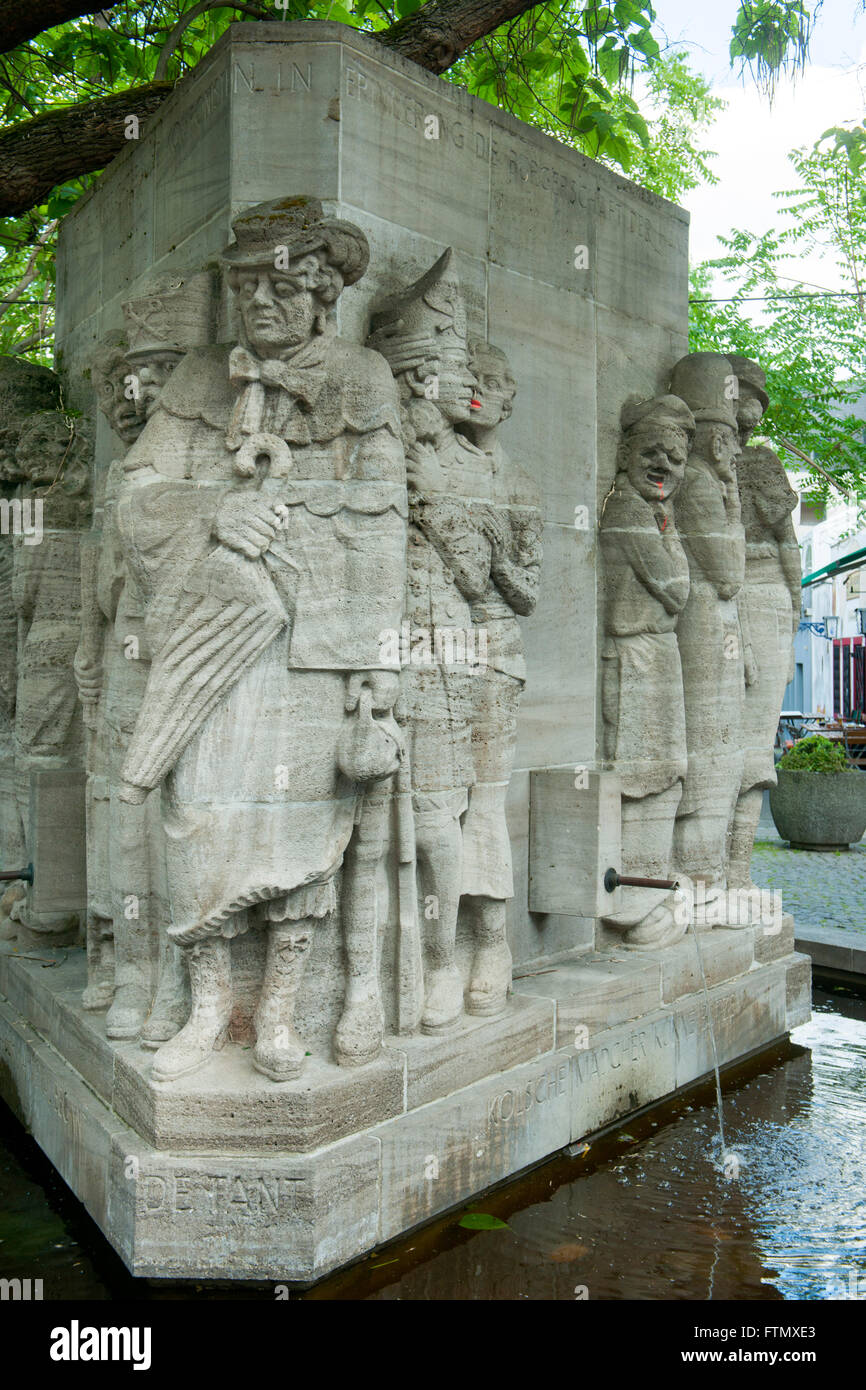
(173, 315)
(753, 399)
(24, 389)
(421, 331)
(288, 266)
(109, 371)
(10, 473)
(495, 386)
(657, 435)
(56, 451)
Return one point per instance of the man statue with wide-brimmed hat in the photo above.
(265, 510)
(707, 511)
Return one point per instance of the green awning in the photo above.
(847, 562)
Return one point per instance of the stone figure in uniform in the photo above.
(25, 388)
(54, 454)
(422, 333)
(173, 314)
(109, 377)
(510, 522)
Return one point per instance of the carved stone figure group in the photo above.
(296, 647)
(281, 636)
(702, 585)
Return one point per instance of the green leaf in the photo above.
(481, 1221)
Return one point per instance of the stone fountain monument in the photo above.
(401, 618)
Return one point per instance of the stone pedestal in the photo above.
(219, 1178)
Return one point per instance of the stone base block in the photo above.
(233, 1180)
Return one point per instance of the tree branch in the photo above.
(30, 271)
(68, 141)
(440, 32)
(21, 20)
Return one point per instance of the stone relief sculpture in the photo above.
(113, 663)
(25, 389)
(707, 513)
(512, 526)
(263, 511)
(474, 557)
(54, 454)
(422, 334)
(109, 375)
(646, 587)
(770, 606)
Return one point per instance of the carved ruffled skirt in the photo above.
(255, 810)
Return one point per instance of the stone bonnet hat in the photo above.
(301, 226)
(661, 412)
(749, 373)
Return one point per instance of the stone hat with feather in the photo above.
(425, 320)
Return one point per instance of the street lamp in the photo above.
(861, 620)
(831, 626)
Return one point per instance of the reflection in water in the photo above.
(647, 1214)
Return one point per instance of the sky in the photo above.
(753, 137)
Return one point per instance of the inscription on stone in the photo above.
(246, 1196)
(515, 1104)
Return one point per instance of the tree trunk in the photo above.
(61, 144)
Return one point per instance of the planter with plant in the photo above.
(820, 800)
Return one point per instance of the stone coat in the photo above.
(642, 690)
(245, 705)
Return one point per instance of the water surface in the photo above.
(649, 1213)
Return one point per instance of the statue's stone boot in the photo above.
(99, 990)
(443, 1002)
(207, 1028)
(360, 1031)
(129, 1009)
(171, 1007)
(279, 1052)
(15, 893)
(661, 927)
(747, 904)
(490, 980)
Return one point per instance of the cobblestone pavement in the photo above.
(820, 889)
